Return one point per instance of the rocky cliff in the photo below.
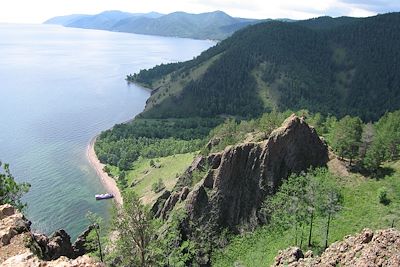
(21, 247)
(367, 249)
(234, 183)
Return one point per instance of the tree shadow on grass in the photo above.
(378, 174)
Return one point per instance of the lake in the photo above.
(59, 88)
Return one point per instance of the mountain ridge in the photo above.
(209, 25)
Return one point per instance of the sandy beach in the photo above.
(108, 182)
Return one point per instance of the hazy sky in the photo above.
(36, 11)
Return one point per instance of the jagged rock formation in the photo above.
(367, 249)
(57, 250)
(237, 180)
(59, 244)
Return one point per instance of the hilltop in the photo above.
(334, 66)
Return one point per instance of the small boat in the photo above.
(103, 196)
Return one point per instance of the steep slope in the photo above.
(337, 66)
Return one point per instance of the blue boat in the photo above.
(103, 196)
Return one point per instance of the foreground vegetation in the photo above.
(11, 191)
(361, 208)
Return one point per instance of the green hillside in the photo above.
(361, 209)
(333, 66)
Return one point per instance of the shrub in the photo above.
(151, 163)
(158, 186)
(382, 196)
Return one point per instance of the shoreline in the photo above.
(108, 182)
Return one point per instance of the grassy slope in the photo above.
(143, 176)
(361, 209)
(169, 86)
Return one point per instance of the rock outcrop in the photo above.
(367, 249)
(12, 223)
(29, 260)
(237, 180)
(17, 240)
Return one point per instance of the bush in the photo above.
(151, 163)
(158, 186)
(10, 191)
(382, 196)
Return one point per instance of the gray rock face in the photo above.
(240, 177)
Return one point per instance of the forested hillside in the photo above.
(334, 66)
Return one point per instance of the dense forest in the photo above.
(334, 66)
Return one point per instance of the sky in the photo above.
(37, 11)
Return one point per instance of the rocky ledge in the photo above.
(21, 247)
(367, 249)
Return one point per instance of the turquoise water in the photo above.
(59, 87)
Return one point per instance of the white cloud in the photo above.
(37, 11)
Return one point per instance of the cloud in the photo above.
(376, 6)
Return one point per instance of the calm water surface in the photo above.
(59, 87)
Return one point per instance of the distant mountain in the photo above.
(212, 25)
(65, 20)
(334, 66)
(102, 21)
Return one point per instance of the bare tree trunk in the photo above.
(327, 230)
(311, 226)
(302, 233)
(98, 242)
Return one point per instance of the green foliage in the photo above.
(136, 233)
(383, 196)
(299, 199)
(177, 253)
(359, 196)
(347, 137)
(158, 186)
(385, 144)
(125, 143)
(11, 191)
(93, 241)
(151, 163)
